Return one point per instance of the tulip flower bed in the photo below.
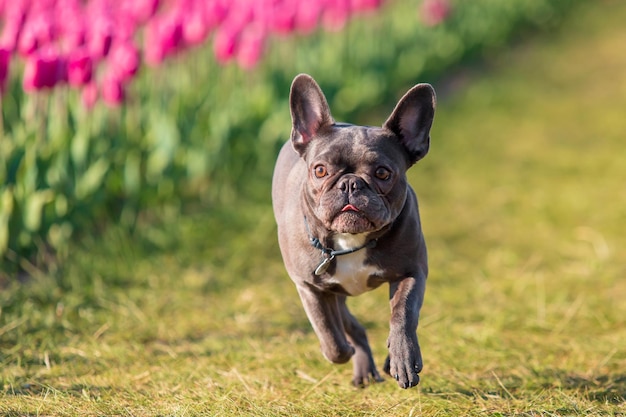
(111, 108)
(67, 41)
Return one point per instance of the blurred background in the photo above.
(114, 112)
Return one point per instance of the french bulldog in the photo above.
(348, 221)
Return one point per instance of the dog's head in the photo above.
(356, 179)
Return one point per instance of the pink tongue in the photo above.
(348, 208)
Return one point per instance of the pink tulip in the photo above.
(283, 18)
(124, 60)
(10, 35)
(307, 16)
(5, 61)
(125, 27)
(41, 70)
(225, 44)
(90, 94)
(79, 67)
(239, 16)
(171, 33)
(163, 37)
(364, 5)
(195, 26)
(73, 37)
(36, 5)
(27, 43)
(140, 10)
(63, 5)
(112, 90)
(61, 72)
(215, 12)
(434, 12)
(14, 14)
(336, 15)
(13, 8)
(70, 24)
(100, 36)
(152, 51)
(36, 32)
(251, 46)
(226, 39)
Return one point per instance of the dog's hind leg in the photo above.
(362, 361)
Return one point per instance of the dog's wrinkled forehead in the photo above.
(351, 144)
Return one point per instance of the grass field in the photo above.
(523, 200)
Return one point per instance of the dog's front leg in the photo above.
(324, 314)
(405, 359)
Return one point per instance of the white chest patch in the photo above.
(351, 272)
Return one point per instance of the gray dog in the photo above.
(348, 222)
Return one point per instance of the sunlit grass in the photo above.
(523, 204)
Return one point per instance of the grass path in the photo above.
(523, 202)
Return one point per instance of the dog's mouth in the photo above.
(351, 220)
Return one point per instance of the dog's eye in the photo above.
(382, 173)
(320, 171)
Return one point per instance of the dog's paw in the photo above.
(365, 372)
(362, 381)
(363, 378)
(404, 362)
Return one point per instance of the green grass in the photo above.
(523, 202)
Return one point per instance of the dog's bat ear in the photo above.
(412, 119)
(309, 111)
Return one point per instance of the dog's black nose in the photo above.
(350, 183)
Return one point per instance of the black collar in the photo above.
(330, 254)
